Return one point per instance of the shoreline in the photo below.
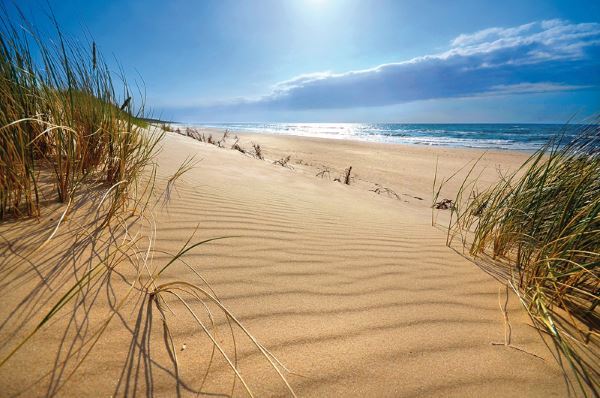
(390, 139)
(402, 168)
(385, 144)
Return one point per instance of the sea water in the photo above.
(523, 137)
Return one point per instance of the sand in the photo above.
(355, 292)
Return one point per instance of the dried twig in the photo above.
(221, 142)
(384, 190)
(237, 147)
(284, 162)
(326, 171)
(347, 176)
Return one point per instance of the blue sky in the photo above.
(349, 60)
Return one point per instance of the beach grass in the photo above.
(542, 225)
(67, 136)
(62, 121)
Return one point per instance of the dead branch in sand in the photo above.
(284, 162)
(347, 176)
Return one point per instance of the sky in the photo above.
(348, 60)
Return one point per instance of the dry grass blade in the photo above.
(379, 190)
(187, 165)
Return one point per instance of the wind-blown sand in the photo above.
(354, 291)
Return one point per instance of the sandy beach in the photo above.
(300, 198)
(354, 292)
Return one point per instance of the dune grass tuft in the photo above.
(542, 224)
(65, 135)
(258, 152)
(62, 121)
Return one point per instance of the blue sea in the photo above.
(521, 137)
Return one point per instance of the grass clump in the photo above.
(542, 224)
(167, 127)
(62, 121)
(258, 152)
(66, 135)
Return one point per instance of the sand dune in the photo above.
(356, 293)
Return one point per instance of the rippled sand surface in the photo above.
(355, 293)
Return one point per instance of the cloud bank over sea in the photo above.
(537, 57)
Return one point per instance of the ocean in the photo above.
(520, 137)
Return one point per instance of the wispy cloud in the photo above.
(543, 56)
